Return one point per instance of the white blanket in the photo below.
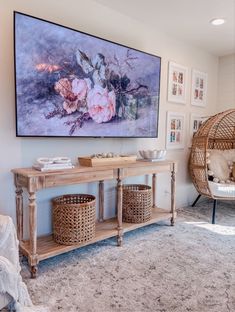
(10, 279)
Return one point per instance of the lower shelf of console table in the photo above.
(47, 247)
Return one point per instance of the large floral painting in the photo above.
(69, 83)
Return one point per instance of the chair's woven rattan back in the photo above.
(218, 132)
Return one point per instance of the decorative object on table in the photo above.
(104, 155)
(216, 133)
(137, 203)
(175, 130)
(73, 218)
(177, 83)
(196, 121)
(199, 88)
(152, 155)
(55, 163)
(106, 159)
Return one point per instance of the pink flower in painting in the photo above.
(80, 87)
(101, 104)
(74, 93)
(70, 106)
(64, 88)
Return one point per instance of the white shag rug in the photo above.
(188, 267)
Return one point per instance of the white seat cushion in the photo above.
(218, 164)
(222, 189)
(229, 155)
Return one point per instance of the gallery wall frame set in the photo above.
(178, 83)
(177, 130)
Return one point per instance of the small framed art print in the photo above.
(195, 123)
(199, 88)
(177, 83)
(175, 130)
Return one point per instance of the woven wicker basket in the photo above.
(73, 218)
(137, 203)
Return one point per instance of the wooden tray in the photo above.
(94, 162)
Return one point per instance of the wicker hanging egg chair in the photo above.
(216, 133)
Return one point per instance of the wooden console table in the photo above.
(37, 249)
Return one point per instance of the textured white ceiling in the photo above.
(187, 20)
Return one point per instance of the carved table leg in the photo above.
(154, 189)
(101, 201)
(33, 258)
(19, 212)
(33, 271)
(173, 195)
(119, 212)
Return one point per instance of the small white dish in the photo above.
(152, 154)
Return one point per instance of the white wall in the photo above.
(93, 18)
(226, 82)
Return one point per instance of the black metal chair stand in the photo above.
(214, 207)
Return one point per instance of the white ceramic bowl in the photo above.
(152, 154)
